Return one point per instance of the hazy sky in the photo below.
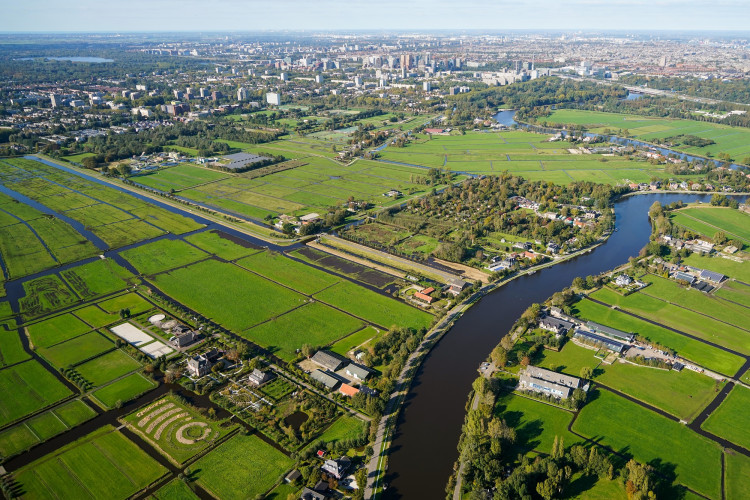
(252, 15)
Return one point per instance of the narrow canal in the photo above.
(424, 446)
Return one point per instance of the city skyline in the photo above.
(255, 15)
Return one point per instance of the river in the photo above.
(424, 443)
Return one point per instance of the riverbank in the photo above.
(377, 466)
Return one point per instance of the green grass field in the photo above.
(679, 318)
(737, 476)
(536, 423)
(163, 255)
(315, 324)
(732, 140)
(708, 221)
(175, 490)
(42, 427)
(45, 295)
(219, 244)
(75, 350)
(103, 464)
(736, 270)
(11, 348)
(355, 339)
(570, 359)
(132, 301)
(372, 306)
(55, 330)
(344, 428)
(123, 390)
(166, 421)
(228, 294)
(731, 419)
(288, 272)
(106, 367)
(26, 388)
(626, 428)
(97, 278)
(241, 468)
(683, 394)
(705, 355)
(179, 177)
(95, 316)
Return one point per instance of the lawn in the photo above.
(175, 490)
(737, 270)
(243, 467)
(346, 427)
(702, 354)
(288, 272)
(710, 220)
(731, 419)
(734, 291)
(679, 318)
(570, 359)
(162, 255)
(107, 367)
(11, 348)
(76, 350)
(628, 428)
(228, 294)
(536, 423)
(179, 177)
(166, 421)
(95, 316)
(132, 301)
(97, 278)
(374, 307)
(737, 476)
(222, 244)
(26, 388)
(103, 464)
(355, 339)
(55, 330)
(123, 390)
(683, 394)
(315, 324)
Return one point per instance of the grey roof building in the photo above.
(610, 332)
(241, 160)
(328, 360)
(337, 468)
(600, 340)
(324, 378)
(356, 371)
(543, 386)
(712, 276)
(680, 276)
(554, 377)
(554, 324)
(259, 377)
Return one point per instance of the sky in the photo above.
(345, 15)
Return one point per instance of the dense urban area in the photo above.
(269, 265)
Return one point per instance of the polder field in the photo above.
(34, 239)
(315, 185)
(527, 154)
(732, 140)
(708, 220)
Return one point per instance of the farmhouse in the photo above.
(259, 377)
(610, 332)
(556, 325)
(337, 468)
(712, 276)
(310, 218)
(201, 365)
(423, 298)
(348, 390)
(183, 336)
(393, 193)
(328, 360)
(456, 286)
(324, 378)
(623, 280)
(600, 340)
(536, 385)
(550, 376)
(239, 161)
(680, 276)
(359, 373)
